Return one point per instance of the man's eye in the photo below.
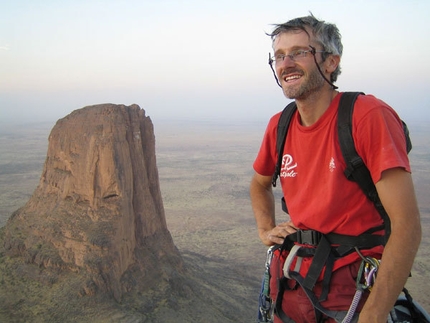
(280, 57)
(297, 53)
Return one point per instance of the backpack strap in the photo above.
(356, 170)
(281, 135)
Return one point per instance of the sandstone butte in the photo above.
(97, 211)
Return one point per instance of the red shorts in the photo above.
(298, 307)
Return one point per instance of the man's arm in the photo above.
(263, 205)
(397, 195)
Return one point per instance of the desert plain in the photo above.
(204, 168)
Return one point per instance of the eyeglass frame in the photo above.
(295, 55)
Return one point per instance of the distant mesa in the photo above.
(97, 211)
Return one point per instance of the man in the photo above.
(306, 58)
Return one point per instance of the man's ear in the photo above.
(331, 63)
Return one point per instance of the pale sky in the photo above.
(195, 59)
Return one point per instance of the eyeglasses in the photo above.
(294, 55)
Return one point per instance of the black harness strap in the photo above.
(283, 124)
(343, 242)
(322, 254)
(282, 283)
(282, 286)
(319, 310)
(356, 170)
(327, 277)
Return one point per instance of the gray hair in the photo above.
(326, 34)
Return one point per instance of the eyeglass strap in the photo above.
(273, 71)
(313, 51)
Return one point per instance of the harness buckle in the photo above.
(308, 237)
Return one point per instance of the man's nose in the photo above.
(285, 64)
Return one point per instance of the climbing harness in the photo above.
(325, 249)
(406, 310)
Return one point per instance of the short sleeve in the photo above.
(378, 136)
(265, 161)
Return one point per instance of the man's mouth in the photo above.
(291, 75)
(289, 78)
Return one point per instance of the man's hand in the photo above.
(277, 234)
(264, 211)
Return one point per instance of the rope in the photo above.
(353, 307)
(367, 272)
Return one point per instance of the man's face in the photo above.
(299, 77)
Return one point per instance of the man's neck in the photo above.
(314, 106)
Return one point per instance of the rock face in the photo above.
(97, 210)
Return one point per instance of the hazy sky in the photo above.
(197, 58)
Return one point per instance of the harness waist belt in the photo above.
(344, 242)
(308, 237)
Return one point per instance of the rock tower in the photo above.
(98, 211)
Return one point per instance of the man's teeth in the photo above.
(293, 77)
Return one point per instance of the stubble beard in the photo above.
(312, 84)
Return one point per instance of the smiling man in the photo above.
(321, 201)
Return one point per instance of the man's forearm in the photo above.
(263, 205)
(396, 191)
(396, 264)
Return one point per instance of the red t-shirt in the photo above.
(318, 194)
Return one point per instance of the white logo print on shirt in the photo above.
(331, 165)
(287, 169)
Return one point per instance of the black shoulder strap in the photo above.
(408, 139)
(356, 170)
(281, 135)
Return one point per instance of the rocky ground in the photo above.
(204, 176)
